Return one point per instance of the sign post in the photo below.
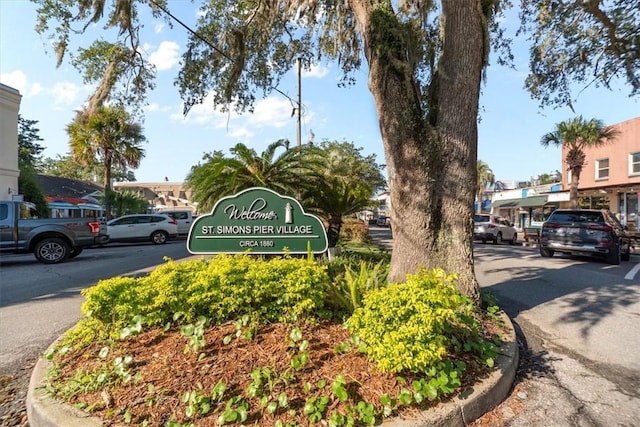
(260, 221)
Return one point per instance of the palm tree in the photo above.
(127, 202)
(344, 184)
(331, 181)
(334, 197)
(485, 177)
(108, 135)
(220, 176)
(575, 136)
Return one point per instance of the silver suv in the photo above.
(494, 228)
(585, 232)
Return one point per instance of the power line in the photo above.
(186, 27)
(212, 46)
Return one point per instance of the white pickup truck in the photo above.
(51, 240)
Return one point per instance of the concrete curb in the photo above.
(469, 405)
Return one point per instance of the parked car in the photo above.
(51, 240)
(494, 228)
(184, 218)
(383, 221)
(155, 228)
(585, 232)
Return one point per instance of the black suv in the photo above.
(585, 232)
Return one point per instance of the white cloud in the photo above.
(241, 133)
(157, 29)
(15, 79)
(166, 56)
(65, 93)
(317, 71)
(153, 107)
(272, 112)
(36, 89)
(204, 114)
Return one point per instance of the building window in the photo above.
(634, 164)
(602, 169)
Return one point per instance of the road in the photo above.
(577, 320)
(38, 302)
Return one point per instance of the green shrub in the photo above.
(354, 230)
(424, 326)
(415, 326)
(221, 288)
(351, 281)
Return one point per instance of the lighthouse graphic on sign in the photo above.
(288, 213)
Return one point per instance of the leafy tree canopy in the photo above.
(122, 76)
(344, 159)
(126, 202)
(331, 180)
(28, 148)
(66, 166)
(588, 42)
(28, 157)
(278, 167)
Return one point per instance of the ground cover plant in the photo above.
(284, 341)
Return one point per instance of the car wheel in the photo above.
(52, 250)
(627, 255)
(159, 237)
(514, 239)
(484, 241)
(75, 252)
(546, 253)
(498, 239)
(613, 257)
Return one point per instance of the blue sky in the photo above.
(510, 128)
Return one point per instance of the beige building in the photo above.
(9, 171)
(161, 196)
(610, 177)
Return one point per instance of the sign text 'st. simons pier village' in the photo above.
(259, 220)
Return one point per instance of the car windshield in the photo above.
(576, 217)
(481, 218)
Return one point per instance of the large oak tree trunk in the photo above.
(431, 159)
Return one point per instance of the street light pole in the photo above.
(299, 131)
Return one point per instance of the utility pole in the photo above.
(299, 130)
(299, 117)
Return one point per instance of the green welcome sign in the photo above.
(258, 220)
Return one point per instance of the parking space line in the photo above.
(631, 274)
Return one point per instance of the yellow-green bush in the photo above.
(221, 288)
(415, 326)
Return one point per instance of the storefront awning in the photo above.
(526, 202)
(533, 201)
(505, 203)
